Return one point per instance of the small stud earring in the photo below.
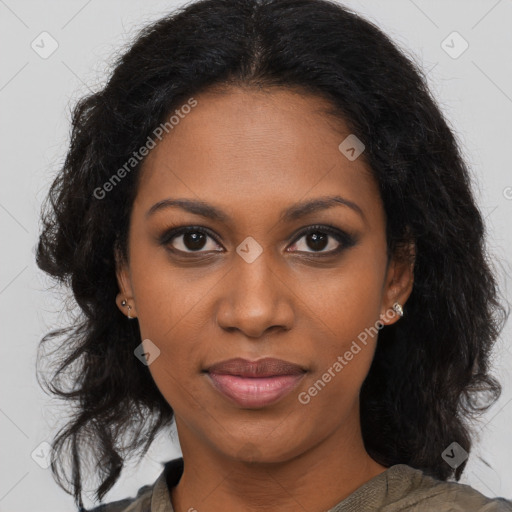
(124, 303)
(397, 308)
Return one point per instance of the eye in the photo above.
(319, 238)
(196, 239)
(189, 239)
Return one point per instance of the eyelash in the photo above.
(344, 239)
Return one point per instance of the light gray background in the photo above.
(474, 90)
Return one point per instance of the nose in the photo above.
(255, 299)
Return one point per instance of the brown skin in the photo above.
(252, 154)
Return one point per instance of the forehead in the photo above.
(258, 148)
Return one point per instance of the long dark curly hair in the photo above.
(430, 374)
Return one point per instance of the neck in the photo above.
(315, 480)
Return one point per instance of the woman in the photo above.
(270, 232)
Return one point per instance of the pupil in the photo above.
(193, 241)
(317, 241)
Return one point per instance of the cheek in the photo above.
(174, 326)
(344, 307)
(166, 295)
(173, 314)
(163, 303)
(347, 299)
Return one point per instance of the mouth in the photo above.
(255, 384)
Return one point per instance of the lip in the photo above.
(255, 384)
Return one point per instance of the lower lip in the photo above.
(252, 392)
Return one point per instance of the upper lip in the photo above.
(266, 367)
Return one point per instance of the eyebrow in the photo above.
(292, 213)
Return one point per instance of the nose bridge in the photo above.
(253, 298)
(255, 277)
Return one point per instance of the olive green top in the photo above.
(400, 487)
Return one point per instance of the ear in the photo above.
(125, 300)
(399, 282)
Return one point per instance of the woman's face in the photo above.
(249, 283)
